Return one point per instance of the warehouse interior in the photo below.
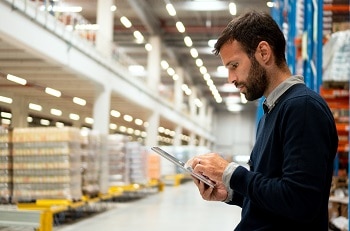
(116, 77)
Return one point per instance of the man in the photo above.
(291, 165)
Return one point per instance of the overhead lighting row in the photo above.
(185, 88)
(75, 117)
(194, 53)
(164, 64)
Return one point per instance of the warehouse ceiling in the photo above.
(203, 21)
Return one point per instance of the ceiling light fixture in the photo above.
(139, 37)
(115, 113)
(127, 118)
(44, 122)
(171, 10)
(194, 53)
(6, 115)
(232, 8)
(56, 112)
(52, 92)
(199, 62)
(148, 47)
(16, 79)
(188, 41)
(6, 99)
(125, 21)
(113, 8)
(113, 126)
(180, 27)
(73, 116)
(164, 64)
(79, 101)
(170, 71)
(89, 120)
(35, 107)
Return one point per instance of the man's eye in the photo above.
(233, 65)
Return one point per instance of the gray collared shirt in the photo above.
(272, 99)
(269, 103)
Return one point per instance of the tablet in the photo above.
(181, 164)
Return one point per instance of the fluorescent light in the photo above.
(188, 41)
(137, 132)
(125, 21)
(188, 91)
(194, 52)
(171, 10)
(113, 126)
(203, 70)
(56, 112)
(127, 118)
(73, 116)
(113, 8)
(198, 102)
(6, 115)
(233, 8)
(139, 37)
(148, 47)
(138, 122)
(270, 4)
(175, 77)
(89, 120)
(5, 99)
(35, 107)
(6, 121)
(180, 27)
(164, 64)
(199, 62)
(122, 128)
(53, 92)
(44, 122)
(206, 76)
(115, 113)
(170, 71)
(16, 79)
(79, 101)
(29, 119)
(130, 131)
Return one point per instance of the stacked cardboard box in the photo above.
(5, 166)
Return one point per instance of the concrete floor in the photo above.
(174, 209)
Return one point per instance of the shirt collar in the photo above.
(273, 97)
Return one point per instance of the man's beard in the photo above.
(256, 82)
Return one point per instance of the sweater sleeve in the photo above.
(307, 135)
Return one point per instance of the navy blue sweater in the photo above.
(291, 166)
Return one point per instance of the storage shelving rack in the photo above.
(304, 23)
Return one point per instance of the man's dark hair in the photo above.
(249, 30)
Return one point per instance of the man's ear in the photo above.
(263, 52)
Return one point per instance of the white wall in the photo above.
(234, 132)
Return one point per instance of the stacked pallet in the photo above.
(46, 164)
